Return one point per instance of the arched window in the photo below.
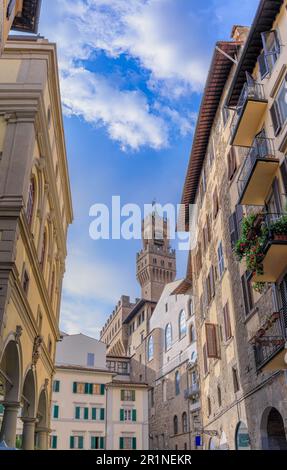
(184, 423)
(31, 202)
(177, 383)
(182, 324)
(150, 349)
(43, 253)
(168, 337)
(175, 425)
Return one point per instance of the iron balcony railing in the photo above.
(271, 339)
(251, 91)
(192, 391)
(262, 149)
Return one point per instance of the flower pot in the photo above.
(280, 237)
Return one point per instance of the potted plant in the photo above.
(279, 228)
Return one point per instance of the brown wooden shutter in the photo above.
(205, 359)
(227, 324)
(211, 340)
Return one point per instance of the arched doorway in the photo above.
(242, 439)
(29, 411)
(10, 371)
(272, 430)
(42, 429)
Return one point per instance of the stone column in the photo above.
(28, 433)
(42, 438)
(9, 423)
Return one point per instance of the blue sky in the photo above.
(132, 73)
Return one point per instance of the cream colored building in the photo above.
(95, 405)
(35, 212)
(19, 15)
(238, 168)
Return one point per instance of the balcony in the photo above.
(192, 392)
(248, 115)
(270, 343)
(273, 240)
(257, 173)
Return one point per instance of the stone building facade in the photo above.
(35, 212)
(237, 176)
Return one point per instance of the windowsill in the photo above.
(228, 342)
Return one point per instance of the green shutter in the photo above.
(91, 389)
(72, 442)
(134, 443)
(134, 395)
(102, 414)
(81, 442)
(54, 442)
(102, 389)
(122, 415)
(1, 409)
(86, 413)
(122, 395)
(75, 387)
(93, 442)
(121, 443)
(78, 411)
(94, 413)
(57, 386)
(102, 443)
(134, 415)
(56, 411)
(87, 389)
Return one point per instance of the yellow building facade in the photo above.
(35, 212)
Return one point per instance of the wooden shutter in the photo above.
(77, 414)
(93, 442)
(239, 218)
(205, 360)
(86, 413)
(122, 395)
(227, 324)
(121, 443)
(102, 389)
(283, 170)
(81, 442)
(211, 340)
(133, 395)
(75, 386)
(231, 163)
(56, 411)
(94, 414)
(72, 442)
(102, 443)
(87, 389)
(275, 116)
(102, 414)
(212, 281)
(134, 443)
(122, 415)
(134, 415)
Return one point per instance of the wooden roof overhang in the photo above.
(216, 80)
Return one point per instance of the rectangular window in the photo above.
(232, 163)
(215, 204)
(97, 443)
(77, 442)
(54, 442)
(56, 386)
(91, 360)
(220, 254)
(205, 360)
(128, 395)
(128, 443)
(278, 110)
(55, 411)
(271, 51)
(247, 292)
(211, 341)
(235, 380)
(227, 323)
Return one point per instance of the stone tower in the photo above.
(156, 262)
